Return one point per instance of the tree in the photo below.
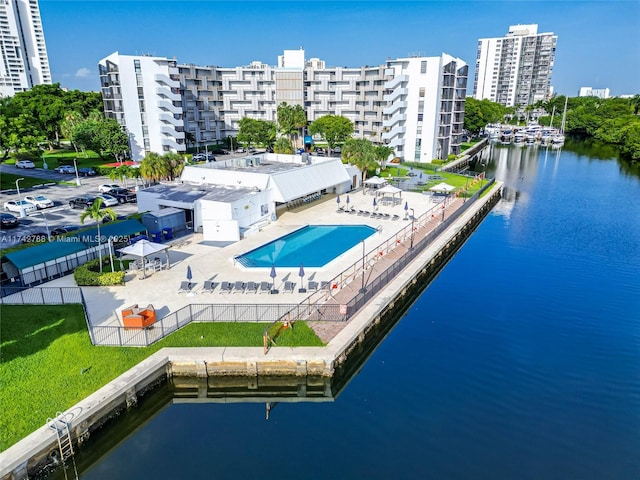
(479, 113)
(291, 119)
(249, 131)
(153, 167)
(283, 145)
(382, 152)
(68, 125)
(96, 213)
(333, 129)
(175, 165)
(111, 137)
(360, 152)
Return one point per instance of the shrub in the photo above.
(88, 274)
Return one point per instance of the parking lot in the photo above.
(61, 214)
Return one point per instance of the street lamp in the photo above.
(75, 166)
(413, 219)
(20, 197)
(46, 224)
(362, 289)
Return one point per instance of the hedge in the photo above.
(88, 274)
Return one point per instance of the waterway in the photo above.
(520, 361)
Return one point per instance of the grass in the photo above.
(65, 157)
(48, 363)
(8, 181)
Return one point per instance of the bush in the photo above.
(88, 275)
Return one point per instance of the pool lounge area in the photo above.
(312, 246)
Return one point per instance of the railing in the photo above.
(40, 296)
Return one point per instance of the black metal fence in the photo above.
(41, 296)
(117, 335)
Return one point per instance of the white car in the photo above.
(40, 201)
(25, 164)
(108, 200)
(106, 187)
(17, 205)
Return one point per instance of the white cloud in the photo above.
(83, 73)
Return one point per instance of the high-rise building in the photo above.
(415, 105)
(24, 52)
(425, 99)
(143, 94)
(515, 70)
(594, 92)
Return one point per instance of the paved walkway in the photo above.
(215, 262)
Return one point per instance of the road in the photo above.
(61, 214)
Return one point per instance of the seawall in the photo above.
(38, 452)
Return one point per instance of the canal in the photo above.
(521, 360)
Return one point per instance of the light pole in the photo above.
(75, 166)
(46, 224)
(413, 219)
(362, 289)
(22, 215)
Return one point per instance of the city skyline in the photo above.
(593, 37)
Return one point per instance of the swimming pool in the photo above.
(311, 246)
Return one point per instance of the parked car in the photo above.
(337, 150)
(269, 150)
(87, 172)
(25, 164)
(198, 157)
(320, 151)
(63, 230)
(17, 205)
(40, 201)
(108, 200)
(252, 150)
(106, 187)
(123, 195)
(8, 221)
(83, 201)
(300, 151)
(66, 169)
(240, 150)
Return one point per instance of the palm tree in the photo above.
(382, 153)
(283, 145)
(97, 214)
(360, 152)
(154, 167)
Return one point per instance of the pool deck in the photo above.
(209, 261)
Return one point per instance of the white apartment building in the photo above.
(425, 99)
(198, 105)
(515, 70)
(24, 52)
(143, 94)
(594, 92)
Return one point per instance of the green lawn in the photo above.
(65, 157)
(8, 181)
(48, 363)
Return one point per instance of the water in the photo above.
(312, 246)
(520, 361)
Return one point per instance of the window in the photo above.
(420, 115)
(421, 92)
(423, 66)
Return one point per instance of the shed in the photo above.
(167, 221)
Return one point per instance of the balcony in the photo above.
(396, 81)
(390, 122)
(394, 132)
(396, 94)
(164, 79)
(168, 142)
(171, 132)
(168, 118)
(167, 106)
(167, 93)
(390, 110)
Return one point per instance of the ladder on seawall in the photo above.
(61, 427)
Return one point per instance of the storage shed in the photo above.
(165, 223)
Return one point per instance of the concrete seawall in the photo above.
(37, 453)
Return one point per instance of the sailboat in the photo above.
(558, 138)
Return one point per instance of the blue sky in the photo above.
(597, 46)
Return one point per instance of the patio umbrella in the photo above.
(189, 275)
(301, 273)
(375, 204)
(272, 274)
(338, 199)
(347, 201)
(421, 175)
(406, 209)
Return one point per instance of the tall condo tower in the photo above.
(24, 52)
(515, 70)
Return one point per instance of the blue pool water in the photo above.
(311, 246)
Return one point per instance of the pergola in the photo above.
(442, 188)
(388, 193)
(374, 183)
(143, 249)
